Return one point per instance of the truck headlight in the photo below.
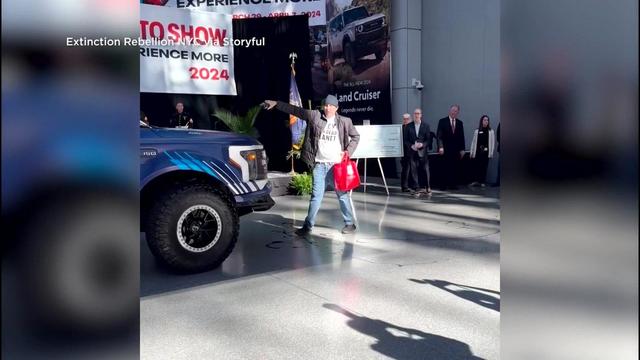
(359, 28)
(252, 160)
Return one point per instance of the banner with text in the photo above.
(185, 51)
(243, 9)
(353, 60)
(349, 44)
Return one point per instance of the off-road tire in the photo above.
(162, 234)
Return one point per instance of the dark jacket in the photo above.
(316, 122)
(407, 150)
(451, 142)
(423, 136)
(181, 119)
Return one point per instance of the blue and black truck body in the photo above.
(194, 186)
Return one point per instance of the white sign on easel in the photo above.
(378, 141)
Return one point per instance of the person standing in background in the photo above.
(451, 146)
(181, 119)
(482, 148)
(406, 180)
(417, 138)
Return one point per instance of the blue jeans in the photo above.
(322, 176)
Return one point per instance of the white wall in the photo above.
(453, 47)
(460, 53)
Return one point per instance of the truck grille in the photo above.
(372, 25)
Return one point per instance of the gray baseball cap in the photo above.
(331, 100)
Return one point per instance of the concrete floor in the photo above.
(420, 280)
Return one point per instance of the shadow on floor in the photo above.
(483, 297)
(399, 342)
(266, 244)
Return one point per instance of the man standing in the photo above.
(181, 119)
(405, 177)
(417, 138)
(329, 137)
(451, 145)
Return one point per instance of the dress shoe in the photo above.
(349, 229)
(303, 231)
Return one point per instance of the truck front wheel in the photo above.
(193, 228)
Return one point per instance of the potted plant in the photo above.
(240, 124)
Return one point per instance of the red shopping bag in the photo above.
(345, 174)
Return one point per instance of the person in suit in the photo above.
(451, 146)
(482, 148)
(406, 180)
(417, 138)
(181, 119)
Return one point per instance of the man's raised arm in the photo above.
(289, 109)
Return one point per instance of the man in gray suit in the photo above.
(329, 136)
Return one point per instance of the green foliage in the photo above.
(302, 184)
(374, 6)
(240, 124)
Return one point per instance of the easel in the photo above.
(384, 179)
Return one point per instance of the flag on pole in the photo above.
(297, 125)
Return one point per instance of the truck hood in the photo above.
(366, 20)
(169, 135)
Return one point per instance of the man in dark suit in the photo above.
(406, 180)
(451, 146)
(417, 139)
(181, 119)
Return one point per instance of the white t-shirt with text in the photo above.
(329, 148)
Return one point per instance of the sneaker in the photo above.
(404, 190)
(303, 231)
(349, 229)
